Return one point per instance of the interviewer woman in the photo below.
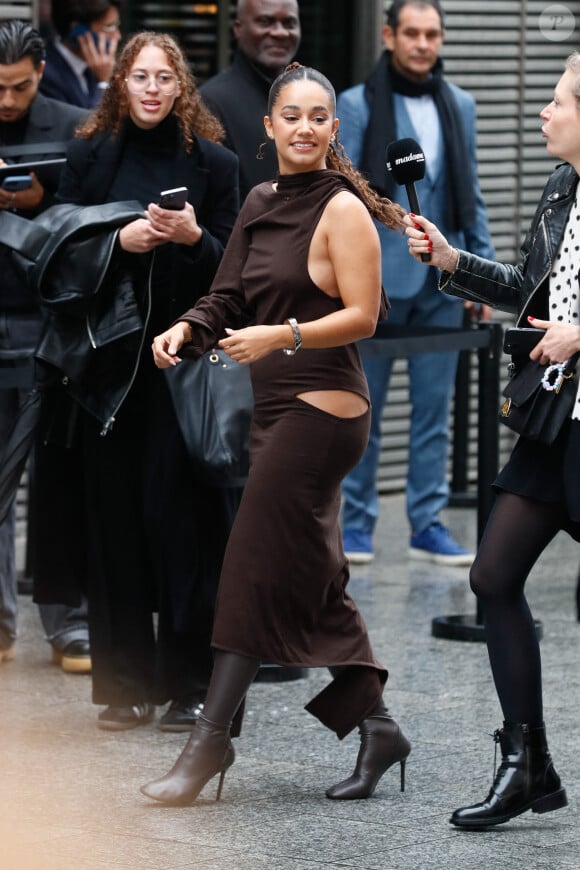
(538, 491)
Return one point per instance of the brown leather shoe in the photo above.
(75, 658)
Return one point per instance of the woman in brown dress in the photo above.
(303, 265)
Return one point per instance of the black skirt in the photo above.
(547, 473)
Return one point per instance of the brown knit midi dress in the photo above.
(282, 595)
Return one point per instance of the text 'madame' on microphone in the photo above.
(406, 163)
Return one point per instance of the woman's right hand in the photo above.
(423, 237)
(166, 345)
(138, 237)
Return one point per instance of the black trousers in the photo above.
(156, 538)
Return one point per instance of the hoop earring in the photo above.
(260, 154)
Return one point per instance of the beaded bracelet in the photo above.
(554, 376)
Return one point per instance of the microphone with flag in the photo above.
(406, 163)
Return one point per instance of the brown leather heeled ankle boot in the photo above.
(382, 745)
(209, 751)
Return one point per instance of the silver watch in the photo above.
(293, 323)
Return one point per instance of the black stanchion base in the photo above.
(278, 674)
(464, 627)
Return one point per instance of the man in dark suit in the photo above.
(81, 57)
(28, 119)
(267, 33)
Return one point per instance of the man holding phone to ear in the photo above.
(29, 119)
(80, 59)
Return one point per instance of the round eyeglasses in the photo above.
(109, 28)
(138, 82)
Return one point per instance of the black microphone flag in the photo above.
(406, 163)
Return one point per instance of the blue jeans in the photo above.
(431, 385)
(61, 623)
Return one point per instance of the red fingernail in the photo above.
(418, 227)
(412, 214)
(426, 237)
(530, 317)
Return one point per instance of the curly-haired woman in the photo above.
(156, 534)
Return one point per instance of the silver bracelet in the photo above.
(454, 251)
(293, 323)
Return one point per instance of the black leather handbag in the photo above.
(539, 399)
(213, 402)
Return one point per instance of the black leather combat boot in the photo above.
(526, 780)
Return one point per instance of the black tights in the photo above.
(517, 532)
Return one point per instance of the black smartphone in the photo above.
(14, 183)
(519, 340)
(173, 199)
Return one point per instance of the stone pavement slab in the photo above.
(69, 792)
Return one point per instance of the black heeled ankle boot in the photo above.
(382, 745)
(526, 780)
(209, 751)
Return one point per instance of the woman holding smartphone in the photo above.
(538, 491)
(156, 533)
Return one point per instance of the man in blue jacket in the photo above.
(406, 95)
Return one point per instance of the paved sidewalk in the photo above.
(69, 792)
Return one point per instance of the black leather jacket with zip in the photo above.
(94, 296)
(521, 289)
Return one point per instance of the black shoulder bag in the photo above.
(539, 399)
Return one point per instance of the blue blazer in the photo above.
(403, 276)
(60, 82)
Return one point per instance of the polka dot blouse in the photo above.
(565, 280)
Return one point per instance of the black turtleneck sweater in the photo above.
(238, 96)
(144, 170)
(146, 164)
